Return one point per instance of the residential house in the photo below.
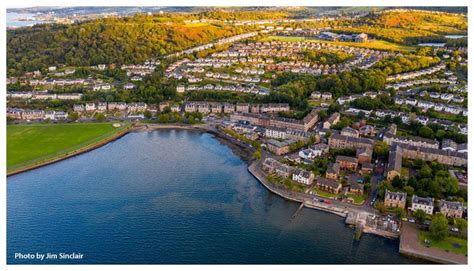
(449, 145)
(337, 141)
(203, 107)
(137, 107)
(175, 108)
(424, 204)
(163, 105)
(333, 171)
(451, 208)
(348, 131)
(216, 108)
(394, 167)
(320, 149)
(327, 185)
(32, 115)
(346, 162)
(366, 168)
(255, 108)
(364, 155)
(117, 106)
(333, 119)
(395, 199)
(102, 107)
(270, 164)
(242, 108)
(78, 108)
(283, 170)
(14, 113)
(355, 183)
(302, 176)
(90, 107)
(278, 147)
(180, 88)
(229, 108)
(416, 141)
(367, 130)
(275, 132)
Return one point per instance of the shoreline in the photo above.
(73, 153)
(274, 190)
(410, 247)
(238, 148)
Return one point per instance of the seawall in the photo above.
(70, 154)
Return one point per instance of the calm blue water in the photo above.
(13, 19)
(171, 197)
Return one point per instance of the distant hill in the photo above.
(109, 40)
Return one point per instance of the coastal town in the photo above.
(377, 136)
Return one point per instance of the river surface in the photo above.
(171, 196)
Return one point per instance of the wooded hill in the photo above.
(110, 40)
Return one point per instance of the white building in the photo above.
(302, 176)
(419, 203)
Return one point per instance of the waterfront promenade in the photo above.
(410, 246)
(354, 215)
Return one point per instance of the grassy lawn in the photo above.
(199, 24)
(358, 199)
(27, 143)
(405, 172)
(373, 44)
(324, 194)
(451, 243)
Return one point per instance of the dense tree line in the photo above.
(357, 81)
(405, 63)
(407, 27)
(368, 103)
(431, 180)
(324, 57)
(108, 40)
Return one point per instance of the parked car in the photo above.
(411, 220)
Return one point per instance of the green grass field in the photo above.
(358, 199)
(451, 243)
(323, 193)
(28, 143)
(373, 44)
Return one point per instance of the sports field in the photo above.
(372, 44)
(33, 143)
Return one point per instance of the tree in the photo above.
(450, 185)
(381, 207)
(381, 148)
(399, 212)
(409, 190)
(397, 120)
(73, 116)
(439, 227)
(426, 131)
(460, 223)
(398, 182)
(387, 119)
(147, 114)
(100, 117)
(420, 216)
